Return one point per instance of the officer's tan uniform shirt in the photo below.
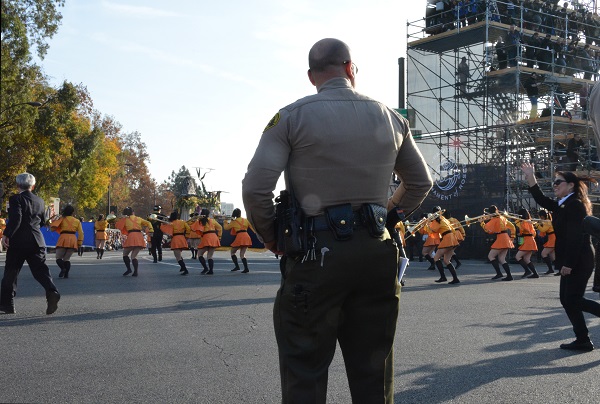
(342, 147)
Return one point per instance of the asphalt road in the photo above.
(165, 338)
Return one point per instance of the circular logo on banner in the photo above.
(449, 177)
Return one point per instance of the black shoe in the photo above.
(548, 272)
(210, 272)
(557, 274)
(453, 282)
(585, 346)
(235, 269)
(127, 272)
(533, 276)
(245, 271)
(441, 280)
(526, 274)
(134, 273)
(7, 309)
(181, 269)
(62, 273)
(185, 272)
(204, 272)
(52, 298)
(498, 276)
(508, 278)
(154, 261)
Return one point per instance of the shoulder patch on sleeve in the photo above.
(273, 122)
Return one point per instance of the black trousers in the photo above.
(572, 290)
(156, 245)
(348, 295)
(15, 258)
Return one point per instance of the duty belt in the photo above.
(67, 232)
(320, 222)
(100, 231)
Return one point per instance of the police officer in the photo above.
(338, 149)
(157, 236)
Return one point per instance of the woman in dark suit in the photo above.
(574, 252)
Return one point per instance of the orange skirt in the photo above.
(448, 241)
(179, 242)
(431, 241)
(210, 240)
(135, 239)
(242, 240)
(551, 243)
(67, 241)
(503, 241)
(101, 235)
(529, 244)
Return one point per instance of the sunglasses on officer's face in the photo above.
(558, 181)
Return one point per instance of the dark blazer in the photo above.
(26, 213)
(573, 247)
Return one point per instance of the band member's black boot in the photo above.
(153, 253)
(548, 262)
(496, 266)
(235, 262)
(127, 262)
(453, 272)
(430, 259)
(508, 274)
(101, 252)
(525, 267)
(97, 253)
(211, 264)
(135, 267)
(534, 273)
(67, 265)
(183, 269)
(458, 263)
(245, 262)
(203, 262)
(440, 266)
(61, 265)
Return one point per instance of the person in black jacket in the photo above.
(26, 243)
(574, 251)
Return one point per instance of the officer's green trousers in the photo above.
(349, 294)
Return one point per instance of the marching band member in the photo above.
(529, 245)
(2, 227)
(67, 226)
(177, 229)
(131, 226)
(100, 232)
(210, 231)
(445, 248)
(546, 229)
(501, 227)
(157, 235)
(239, 228)
(193, 237)
(459, 232)
(430, 244)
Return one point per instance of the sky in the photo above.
(199, 80)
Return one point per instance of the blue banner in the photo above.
(89, 239)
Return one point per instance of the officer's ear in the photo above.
(311, 78)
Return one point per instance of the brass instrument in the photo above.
(423, 222)
(154, 217)
(111, 218)
(470, 220)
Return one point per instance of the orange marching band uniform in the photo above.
(526, 231)
(193, 238)
(546, 229)
(100, 234)
(430, 244)
(504, 231)
(210, 233)
(177, 229)
(238, 227)
(67, 227)
(131, 226)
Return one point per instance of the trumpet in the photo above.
(423, 222)
(154, 217)
(470, 220)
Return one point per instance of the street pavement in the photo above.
(166, 338)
